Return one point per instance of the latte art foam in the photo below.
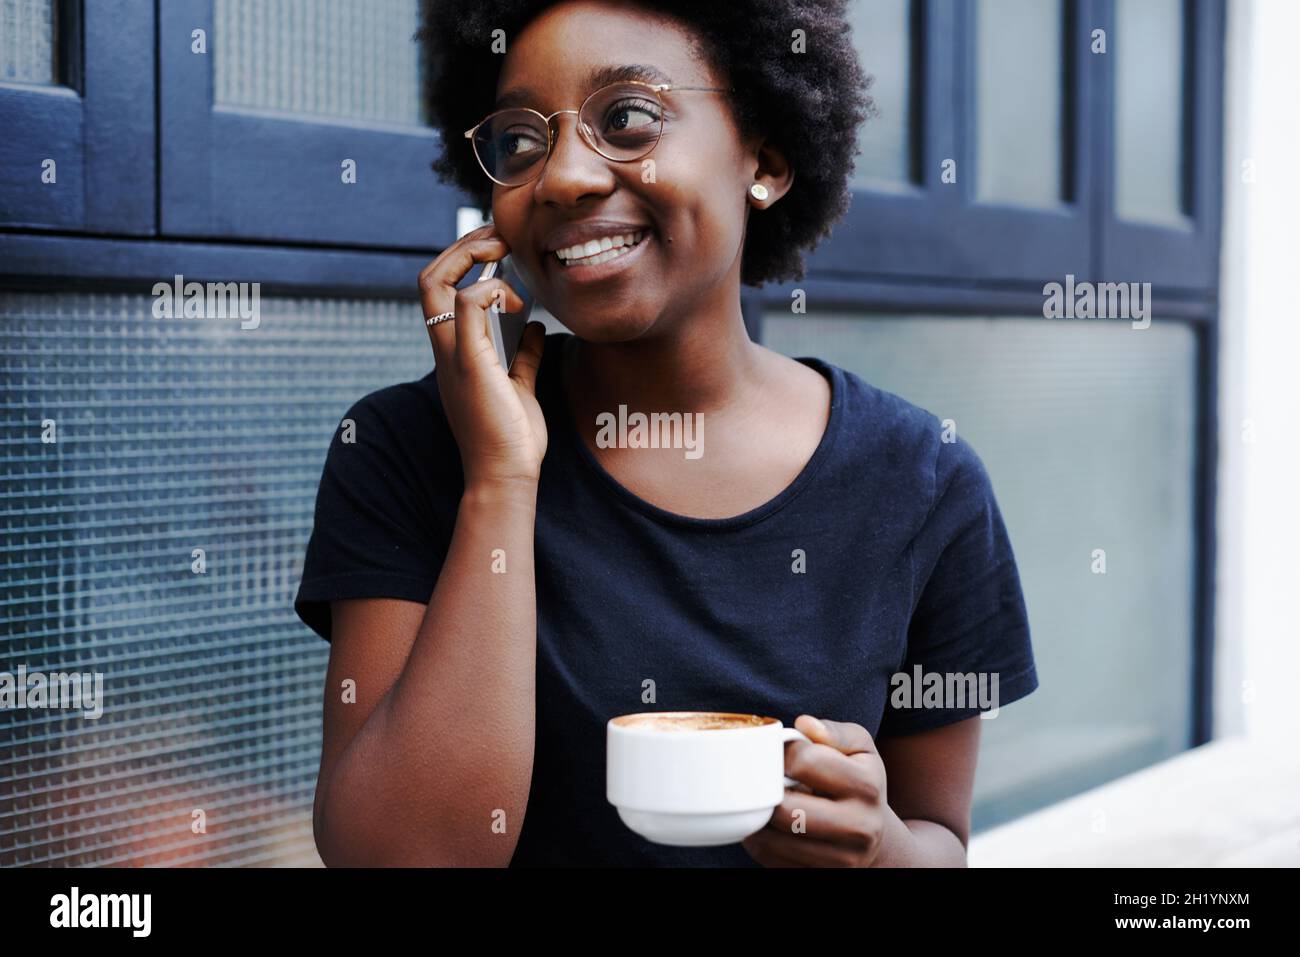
(696, 721)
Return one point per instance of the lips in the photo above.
(596, 251)
(601, 264)
(581, 231)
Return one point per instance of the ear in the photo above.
(773, 170)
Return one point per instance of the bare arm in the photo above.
(931, 778)
(440, 738)
(432, 765)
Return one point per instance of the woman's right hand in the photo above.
(495, 417)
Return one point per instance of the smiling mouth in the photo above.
(603, 250)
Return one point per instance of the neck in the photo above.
(705, 365)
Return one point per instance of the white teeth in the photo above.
(596, 251)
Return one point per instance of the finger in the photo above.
(830, 772)
(472, 305)
(442, 336)
(438, 263)
(844, 736)
(438, 280)
(759, 847)
(459, 258)
(801, 850)
(485, 231)
(528, 357)
(837, 821)
(764, 856)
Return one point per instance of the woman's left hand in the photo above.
(840, 822)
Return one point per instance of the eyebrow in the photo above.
(600, 76)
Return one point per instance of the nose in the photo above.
(574, 169)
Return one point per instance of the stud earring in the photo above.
(758, 191)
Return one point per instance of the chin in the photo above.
(608, 328)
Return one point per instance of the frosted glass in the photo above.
(1019, 101)
(28, 32)
(1149, 107)
(337, 58)
(172, 435)
(1087, 429)
(882, 36)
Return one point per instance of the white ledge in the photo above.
(1230, 803)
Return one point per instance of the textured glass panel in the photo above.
(1149, 106)
(27, 42)
(1087, 431)
(172, 435)
(882, 35)
(338, 58)
(1019, 101)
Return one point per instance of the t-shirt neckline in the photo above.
(551, 378)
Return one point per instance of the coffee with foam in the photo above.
(692, 721)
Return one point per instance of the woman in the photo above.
(497, 582)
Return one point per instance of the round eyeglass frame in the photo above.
(655, 89)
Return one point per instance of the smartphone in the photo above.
(507, 328)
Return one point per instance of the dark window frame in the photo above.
(235, 174)
(939, 230)
(97, 125)
(1181, 257)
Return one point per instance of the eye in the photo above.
(519, 141)
(630, 115)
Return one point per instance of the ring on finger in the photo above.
(440, 317)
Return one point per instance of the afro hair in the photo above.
(808, 104)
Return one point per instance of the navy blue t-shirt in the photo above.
(888, 551)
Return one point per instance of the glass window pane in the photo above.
(1148, 50)
(172, 435)
(882, 35)
(1019, 101)
(332, 57)
(28, 51)
(1087, 428)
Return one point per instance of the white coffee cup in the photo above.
(674, 783)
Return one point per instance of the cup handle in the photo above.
(787, 735)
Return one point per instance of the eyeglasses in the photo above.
(621, 122)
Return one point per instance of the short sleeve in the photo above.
(377, 530)
(969, 627)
